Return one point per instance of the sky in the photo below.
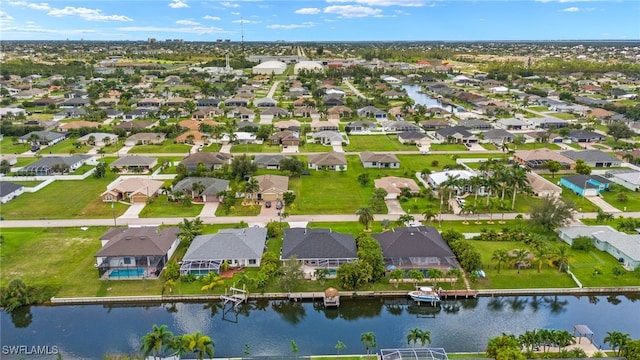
(320, 20)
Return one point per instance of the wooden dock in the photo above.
(458, 294)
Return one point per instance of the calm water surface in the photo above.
(89, 332)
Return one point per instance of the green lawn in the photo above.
(489, 146)
(64, 200)
(533, 146)
(376, 143)
(448, 147)
(563, 116)
(256, 148)
(24, 161)
(239, 210)
(7, 146)
(160, 207)
(538, 108)
(28, 183)
(312, 147)
(168, 146)
(65, 147)
(631, 204)
(584, 264)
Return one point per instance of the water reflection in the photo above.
(22, 317)
(556, 305)
(290, 311)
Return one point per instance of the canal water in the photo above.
(267, 327)
(413, 91)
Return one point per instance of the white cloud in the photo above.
(4, 16)
(187, 22)
(229, 4)
(235, 13)
(245, 21)
(87, 14)
(291, 26)
(350, 11)
(177, 4)
(571, 9)
(209, 17)
(39, 30)
(198, 30)
(410, 3)
(34, 6)
(308, 11)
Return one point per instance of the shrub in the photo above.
(583, 243)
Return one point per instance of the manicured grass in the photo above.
(239, 210)
(538, 108)
(575, 146)
(585, 263)
(376, 143)
(65, 147)
(63, 200)
(448, 147)
(533, 146)
(489, 146)
(160, 207)
(312, 147)
(7, 146)
(28, 183)
(166, 147)
(24, 161)
(563, 116)
(255, 148)
(632, 203)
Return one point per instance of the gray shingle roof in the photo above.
(142, 241)
(581, 180)
(7, 188)
(212, 186)
(134, 160)
(421, 241)
(317, 244)
(589, 155)
(245, 243)
(625, 243)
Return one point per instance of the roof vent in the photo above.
(411, 234)
(127, 238)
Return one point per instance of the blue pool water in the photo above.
(126, 273)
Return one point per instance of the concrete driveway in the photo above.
(605, 206)
(393, 206)
(133, 211)
(209, 209)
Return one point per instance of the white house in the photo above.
(9, 190)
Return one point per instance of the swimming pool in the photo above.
(126, 273)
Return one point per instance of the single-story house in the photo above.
(211, 187)
(265, 102)
(394, 186)
(134, 164)
(624, 247)
(285, 138)
(42, 137)
(145, 138)
(361, 126)
(399, 126)
(238, 247)
(585, 185)
(455, 134)
(132, 189)
(432, 125)
(420, 248)
(328, 125)
(379, 160)
(50, 165)
(293, 125)
(581, 136)
(318, 249)
(192, 137)
(498, 136)
(78, 125)
(536, 159)
(136, 252)
(475, 124)
(268, 161)
(512, 124)
(271, 187)
(328, 161)
(593, 157)
(98, 139)
(71, 113)
(411, 137)
(435, 179)
(372, 112)
(547, 122)
(627, 178)
(542, 187)
(328, 137)
(9, 190)
(210, 160)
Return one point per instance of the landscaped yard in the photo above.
(7, 146)
(448, 147)
(359, 143)
(57, 201)
(166, 147)
(561, 115)
(237, 209)
(533, 146)
(489, 146)
(312, 147)
(160, 207)
(256, 148)
(585, 263)
(67, 146)
(632, 202)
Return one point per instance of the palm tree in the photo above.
(404, 219)
(616, 340)
(251, 187)
(211, 280)
(365, 216)
(200, 344)
(196, 189)
(465, 209)
(189, 229)
(368, 339)
(519, 256)
(561, 257)
(429, 214)
(154, 341)
(500, 256)
(541, 254)
(529, 339)
(476, 184)
(435, 274)
(415, 335)
(518, 179)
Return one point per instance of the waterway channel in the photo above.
(90, 331)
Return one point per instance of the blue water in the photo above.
(89, 332)
(126, 273)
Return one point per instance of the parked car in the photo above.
(279, 205)
(267, 204)
(460, 200)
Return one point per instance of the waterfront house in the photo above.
(318, 249)
(624, 247)
(237, 247)
(135, 252)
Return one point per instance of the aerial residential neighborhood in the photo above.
(178, 171)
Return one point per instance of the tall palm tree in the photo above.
(429, 214)
(519, 256)
(189, 229)
(616, 340)
(518, 179)
(154, 341)
(365, 216)
(196, 189)
(500, 256)
(476, 184)
(252, 187)
(368, 339)
(561, 257)
(414, 336)
(199, 344)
